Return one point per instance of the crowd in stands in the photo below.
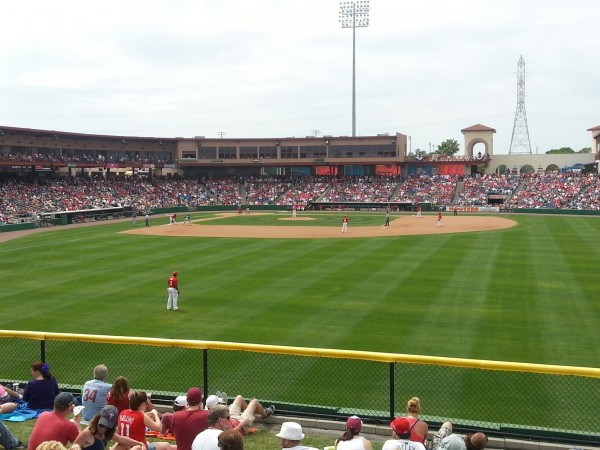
(557, 191)
(475, 190)
(197, 422)
(82, 156)
(46, 194)
(303, 191)
(264, 191)
(438, 189)
(360, 189)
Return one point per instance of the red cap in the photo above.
(400, 426)
(174, 274)
(194, 396)
(354, 422)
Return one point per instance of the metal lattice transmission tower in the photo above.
(354, 14)
(519, 142)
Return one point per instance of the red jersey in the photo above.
(131, 424)
(173, 281)
(120, 403)
(345, 219)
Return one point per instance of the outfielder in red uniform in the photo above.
(173, 291)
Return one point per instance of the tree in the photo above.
(560, 151)
(449, 147)
(585, 150)
(420, 153)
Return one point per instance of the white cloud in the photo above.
(284, 68)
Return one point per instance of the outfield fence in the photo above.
(530, 401)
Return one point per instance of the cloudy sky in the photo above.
(277, 68)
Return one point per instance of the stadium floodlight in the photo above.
(354, 14)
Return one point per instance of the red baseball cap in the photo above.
(174, 273)
(400, 426)
(194, 396)
(354, 423)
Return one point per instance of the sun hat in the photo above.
(291, 431)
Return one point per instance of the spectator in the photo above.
(133, 422)
(54, 425)
(6, 399)
(41, 391)
(218, 421)
(55, 445)
(444, 439)
(351, 439)
(418, 428)
(102, 429)
(401, 437)
(230, 440)
(242, 413)
(291, 434)
(119, 394)
(166, 420)
(7, 440)
(93, 395)
(189, 423)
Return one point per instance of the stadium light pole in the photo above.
(354, 14)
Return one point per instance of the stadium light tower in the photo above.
(354, 15)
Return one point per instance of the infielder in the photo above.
(173, 291)
(345, 224)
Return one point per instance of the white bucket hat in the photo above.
(291, 431)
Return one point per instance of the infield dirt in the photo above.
(401, 226)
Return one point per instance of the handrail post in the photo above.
(392, 390)
(205, 371)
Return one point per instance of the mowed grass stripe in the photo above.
(406, 280)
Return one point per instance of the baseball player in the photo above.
(186, 219)
(439, 221)
(173, 291)
(345, 224)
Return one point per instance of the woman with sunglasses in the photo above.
(102, 429)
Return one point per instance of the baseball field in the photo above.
(504, 287)
(524, 293)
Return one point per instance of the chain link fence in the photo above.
(504, 399)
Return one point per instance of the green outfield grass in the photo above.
(527, 294)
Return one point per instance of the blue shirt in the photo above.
(93, 397)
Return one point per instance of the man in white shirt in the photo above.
(291, 434)
(218, 420)
(93, 394)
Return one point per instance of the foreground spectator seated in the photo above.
(7, 440)
(218, 421)
(166, 420)
(418, 428)
(444, 439)
(7, 395)
(119, 394)
(102, 429)
(54, 425)
(41, 391)
(94, 392)
(291, 435)
(133, 422)
(242, 413)
(191, 421)
(351, 439)
(230, 440)
(401, 437)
